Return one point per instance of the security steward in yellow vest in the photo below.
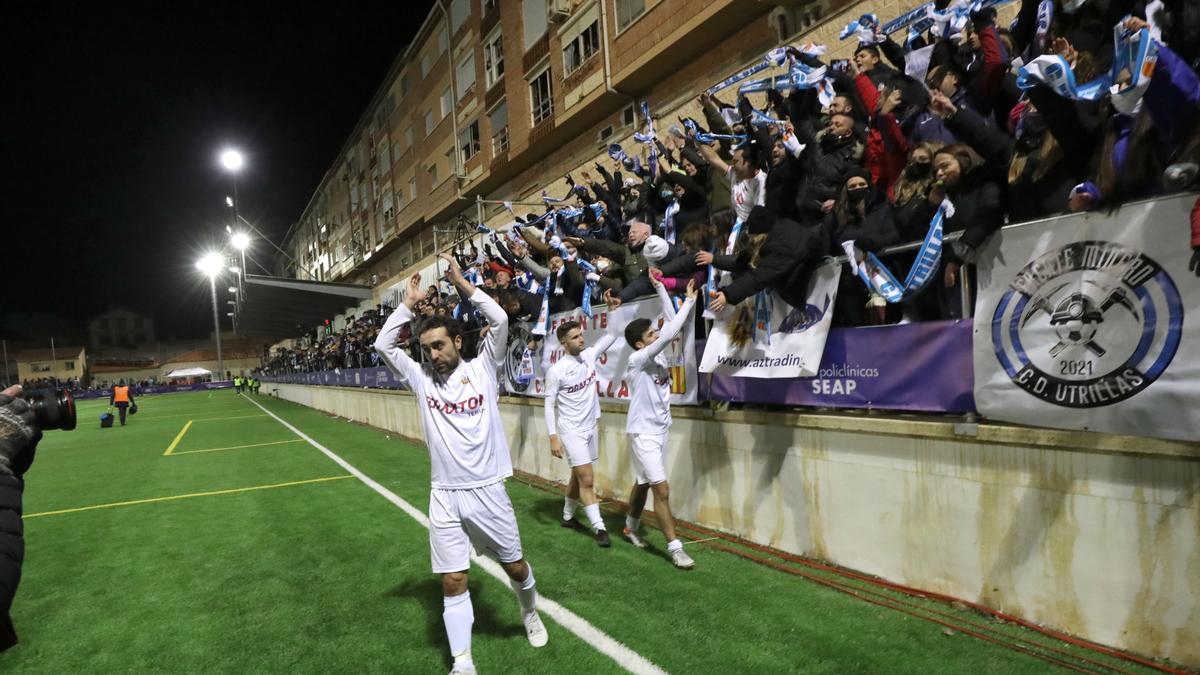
(121, 397)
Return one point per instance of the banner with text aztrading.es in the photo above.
(1090, 322)
(789, 346)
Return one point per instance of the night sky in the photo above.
(113, 120)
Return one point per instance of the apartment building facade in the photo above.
(501, 99)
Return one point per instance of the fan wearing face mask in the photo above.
(864, 216)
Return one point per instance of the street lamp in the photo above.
(210, 264)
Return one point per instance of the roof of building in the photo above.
(59, 353)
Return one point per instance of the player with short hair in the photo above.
(649, 418)
(571, 386)
(469, 456)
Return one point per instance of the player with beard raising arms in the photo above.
(649, 418)
(468, 453)
(571, 383)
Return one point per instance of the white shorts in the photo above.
(581, 448)
(481, 516)
(649, 452)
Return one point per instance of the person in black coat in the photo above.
(784, 263)
(19, 437)
(864, 216)
(976, 193)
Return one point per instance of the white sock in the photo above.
(569, 506)
(593, 516)
(458, 615)
(631, 523)
(526, 592)
(674, 545)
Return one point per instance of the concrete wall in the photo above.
(1095, 535)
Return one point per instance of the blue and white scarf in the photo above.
(648, 137)
(775, 58)
(880, 279)
(1135, 51)
(716, 278)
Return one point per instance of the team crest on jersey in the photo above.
(466, 380)
(1088, 324)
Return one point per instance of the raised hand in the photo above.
(691, 289)
(611, 300)
(415, 292)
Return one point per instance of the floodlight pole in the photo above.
(212, 286)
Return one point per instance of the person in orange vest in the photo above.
(121, 397)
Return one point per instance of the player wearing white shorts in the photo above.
(571, 386)
(468, 454)
(649, 419)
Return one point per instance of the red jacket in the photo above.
(887, 148)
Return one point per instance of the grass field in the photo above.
(207, 536)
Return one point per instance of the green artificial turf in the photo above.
(331, 577)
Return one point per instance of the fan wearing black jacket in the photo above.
(864, 216)
(787, 257)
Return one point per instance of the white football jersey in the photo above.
(649, 376)
(571, 383)
(459, 412)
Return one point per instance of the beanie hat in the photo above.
(655, 249)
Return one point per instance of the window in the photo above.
(121, 324)
(493, 57)
(70, 365)
(425, 63)
(443, 41)
(404, 84)
(412, 188)
(464, 75)
(408, 137)
(432, 175)
(43, 367)
(534, 15)
(541, 97)
(460, 11)
(628, 10)
(429, 123)
(385, 155)
(489, 5)
(468, 141)
(499, 121)
(447, 102)
(583, 47)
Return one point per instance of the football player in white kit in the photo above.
(468, 454)
(649, 418)
(571, 384)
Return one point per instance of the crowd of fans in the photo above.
(320, 350)
(770, 184)
(871, 164)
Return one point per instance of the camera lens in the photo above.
(53, 408)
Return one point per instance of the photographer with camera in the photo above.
(19, 436)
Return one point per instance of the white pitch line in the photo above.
(599, 640)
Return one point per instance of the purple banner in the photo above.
(918, 366)
(155, 389)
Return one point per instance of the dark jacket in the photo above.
(633, 263)
(874, 232)
(784, 265)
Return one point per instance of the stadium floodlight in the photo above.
(232, 160)
(240, 240)
(229, 201)
(210, 264)
(233, 289)
(235, 270)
